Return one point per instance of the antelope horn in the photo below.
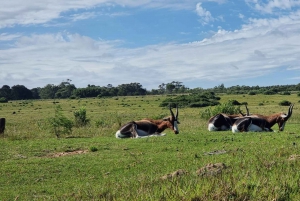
(289, 112)
(247, 110)
(171, 111)
(176, 111)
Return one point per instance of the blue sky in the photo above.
(201, 43)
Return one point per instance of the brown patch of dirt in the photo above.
(174, 174)
(211, 169)
(67, 153)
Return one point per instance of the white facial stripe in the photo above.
(176, 126)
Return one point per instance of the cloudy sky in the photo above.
(201, 43)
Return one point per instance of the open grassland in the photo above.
(91, 164)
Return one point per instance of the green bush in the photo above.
(269, 92)
(80, 117)
(93, 149)
(3, 100)
(227, 108)
(59, 124)
(285, 93)
(285, 103)
(234, 102)
(192, 100)
(251, 93)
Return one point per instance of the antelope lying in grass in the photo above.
(149, 127)
(223, 122)
(260, 123)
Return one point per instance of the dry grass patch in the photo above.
(66, 153)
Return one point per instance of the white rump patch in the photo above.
(119, 135)
(234, 129)
(212, 127)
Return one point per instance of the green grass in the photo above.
(131, 169)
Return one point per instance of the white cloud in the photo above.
(272, 5)
(9, 37)
(83, 16)
(204, 14)
(262, 46)
(19, 12)
(34, 60)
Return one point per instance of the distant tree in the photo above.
(170, 87)
(36, 93)
(131, 89)
(49, 91)
(20, 92)
(65, 90)
(162, 88)
(5, 92)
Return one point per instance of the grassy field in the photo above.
(91, 164)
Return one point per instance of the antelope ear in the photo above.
(166, 119)
(178, 122)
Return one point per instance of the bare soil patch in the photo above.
(66, 153)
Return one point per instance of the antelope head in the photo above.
(281, 119)
(172, 121)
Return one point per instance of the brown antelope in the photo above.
(149, 127)
(223, 122)
(261, 123)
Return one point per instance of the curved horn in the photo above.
(176, 111)
(289, 112)
(247, 110)
(171, 111)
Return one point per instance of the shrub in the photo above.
(285, 93)
(285, 103)
(80, 117)
(234, 102)
(3, 100)
(227, 108)
(59, 124)
(251, 93)
(192, 100)
(269, 92)
(93, 149)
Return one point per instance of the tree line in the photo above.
(67, 90)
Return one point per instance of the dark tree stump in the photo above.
(2, 125)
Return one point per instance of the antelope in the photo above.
(223, 122)
(149, 127)
(261, 123)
